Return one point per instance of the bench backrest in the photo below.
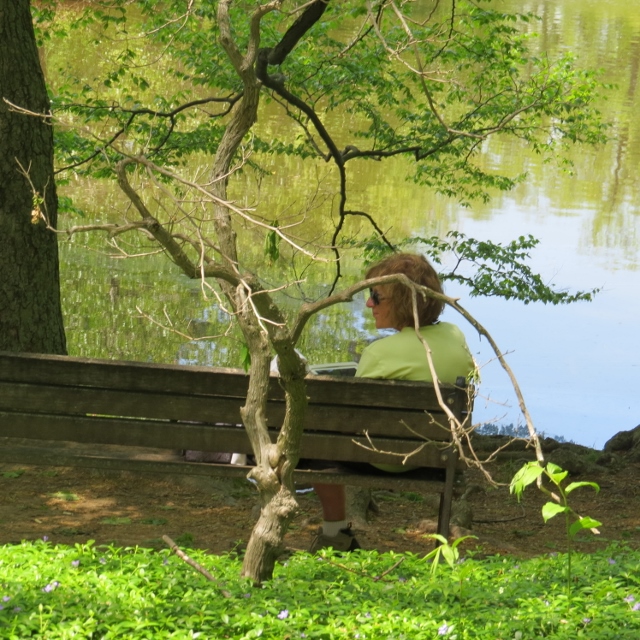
(187, 407)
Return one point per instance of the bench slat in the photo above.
(76, 401)
(195, 381)
(114, 374)
(62, 454)
(53, 399)
(178, 435)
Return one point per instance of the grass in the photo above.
(56, 591)
(66, 496)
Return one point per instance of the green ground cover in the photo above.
(56, 591)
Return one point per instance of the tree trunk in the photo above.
(30, 309)
(275, 462)
(265, 544)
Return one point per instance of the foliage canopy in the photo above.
(359, 82)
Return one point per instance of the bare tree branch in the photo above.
(192, 563)
(307, 310)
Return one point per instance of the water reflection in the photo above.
(571, 362)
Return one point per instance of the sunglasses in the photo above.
(375, 296)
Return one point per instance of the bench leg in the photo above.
(446, 497)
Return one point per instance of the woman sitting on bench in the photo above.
(400, 356)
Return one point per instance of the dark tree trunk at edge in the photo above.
(30, 309)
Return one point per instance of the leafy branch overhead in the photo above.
(359, 81)
(486, 268)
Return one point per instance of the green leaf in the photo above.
(438, 537)
(576, 485)
(551, 509)
(556, 473)
(590, 523)
(450, 555)
(523, 478)
(272, 243)
(457, 541)
(245, 356)
(583, 523)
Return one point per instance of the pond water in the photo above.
(577, 365)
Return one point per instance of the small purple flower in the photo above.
(586, 620)
(75, 563)
(51, 586)
(102, 561)
(17, 609)
(402, 579)
(636, 607)
(444, 629)
(629, 598)
(6, 598)
(1, 607)
(368, 615)
(611, 561)
(284, 614)
(246, 595)
(45, 538)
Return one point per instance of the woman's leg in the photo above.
(336, 532)
(333, 500)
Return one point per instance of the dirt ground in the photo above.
(72, 506)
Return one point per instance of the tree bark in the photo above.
(263, 326)
(275, 462)
(30, 308)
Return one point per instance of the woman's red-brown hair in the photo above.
(419, 270)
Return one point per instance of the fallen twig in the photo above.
(190, 561)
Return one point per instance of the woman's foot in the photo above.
(345, 540)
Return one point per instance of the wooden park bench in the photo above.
(64, 411)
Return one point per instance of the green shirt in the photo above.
(403, 356)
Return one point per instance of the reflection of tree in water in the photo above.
(612, 226)
(336, 335)
(603, 189)
(100, 296)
